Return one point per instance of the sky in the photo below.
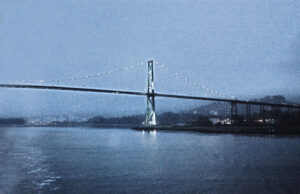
(240, 48)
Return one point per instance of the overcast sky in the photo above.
(240, 48)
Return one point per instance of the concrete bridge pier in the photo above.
(248, 112)
(233, 111)
(262, 112)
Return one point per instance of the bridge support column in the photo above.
(290, 110)
(275, 109)
(150, 115)
(262, 113)
(261, 109)
(233, 111)
(248, 112)
(276, 112)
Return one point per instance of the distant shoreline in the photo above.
(267, 130)
(228, 129)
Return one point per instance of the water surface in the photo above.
(87, 160)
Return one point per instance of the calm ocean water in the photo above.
(87, 160)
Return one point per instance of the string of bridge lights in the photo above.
(96, 75)
(193, 83)
(76, 78)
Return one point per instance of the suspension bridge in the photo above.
(150, 93)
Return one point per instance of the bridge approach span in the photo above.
(95, 90)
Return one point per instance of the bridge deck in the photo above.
(78, 89)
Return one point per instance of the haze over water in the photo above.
(87, 160)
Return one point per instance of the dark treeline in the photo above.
(270, 118)
(219, 113)
(287, 119)
(168, 118)
(134, 119)
(12, 121)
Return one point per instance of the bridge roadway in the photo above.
(78, 89)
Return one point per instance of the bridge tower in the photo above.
(150, 115)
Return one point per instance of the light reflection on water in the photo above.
(86, 160)
(24, 163)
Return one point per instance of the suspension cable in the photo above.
(76, 78)
(193, 83)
